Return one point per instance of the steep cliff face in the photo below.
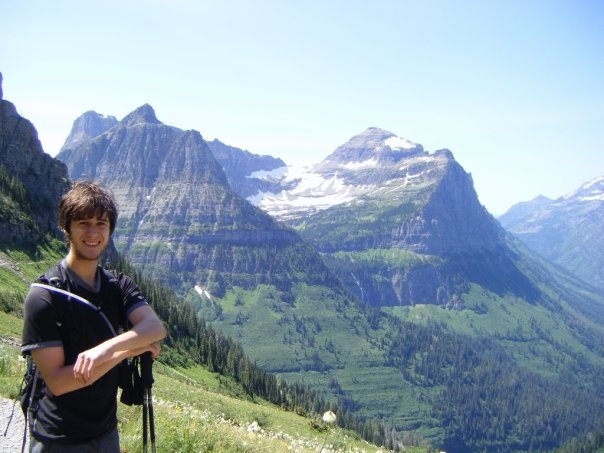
(32, 182)
(454, 220)
(177, 212)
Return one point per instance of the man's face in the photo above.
(88, 238)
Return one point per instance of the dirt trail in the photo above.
(11, 439)
(7, 263)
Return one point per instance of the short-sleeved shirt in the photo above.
(53, 319)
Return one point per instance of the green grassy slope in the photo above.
(199, 411)
(195, 410)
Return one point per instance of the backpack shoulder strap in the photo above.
(54, 281)
(69, 296)
(56, 278)
(113, 278)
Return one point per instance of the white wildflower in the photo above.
(329, 417)
(254, 427)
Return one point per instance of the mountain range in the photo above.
(379, 279)
(568, 231)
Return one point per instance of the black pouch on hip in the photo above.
(130, 382)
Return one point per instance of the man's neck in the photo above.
(85, 269)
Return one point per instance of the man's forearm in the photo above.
(141, 335)
(63, 379)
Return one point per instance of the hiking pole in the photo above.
(147, 381)
(145, 410)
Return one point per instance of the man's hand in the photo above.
(88, 360)
(154, 349)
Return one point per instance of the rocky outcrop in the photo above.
(33, 181)
(454, 221)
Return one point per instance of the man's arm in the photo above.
(147, 330)
(60, 378)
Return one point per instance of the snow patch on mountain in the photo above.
(408, 179)
(369, 163)
(202, 291)
(312, 192)
(399, 143)
(269, 175)
(594, 182)
(599, 197)
(148, 197)
(590, 191)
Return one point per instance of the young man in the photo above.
(73, 346)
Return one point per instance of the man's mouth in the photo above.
(92, 244)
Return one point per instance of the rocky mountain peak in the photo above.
(590, 191)
(374, 144)
(143, 114)
(372, 136)
(88, 126)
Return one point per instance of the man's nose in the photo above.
(93, 229)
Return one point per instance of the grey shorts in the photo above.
(108, 443)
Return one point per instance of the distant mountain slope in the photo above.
(31, 182)
(246, 173)
(568, 231)
(526, 208)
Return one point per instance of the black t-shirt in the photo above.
(53, 319)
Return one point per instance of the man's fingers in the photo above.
(83, 367)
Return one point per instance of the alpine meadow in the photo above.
(372, 284)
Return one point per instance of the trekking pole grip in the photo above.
(146, 369)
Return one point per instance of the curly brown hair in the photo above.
(84, 200)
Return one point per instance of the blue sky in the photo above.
(515, 89)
